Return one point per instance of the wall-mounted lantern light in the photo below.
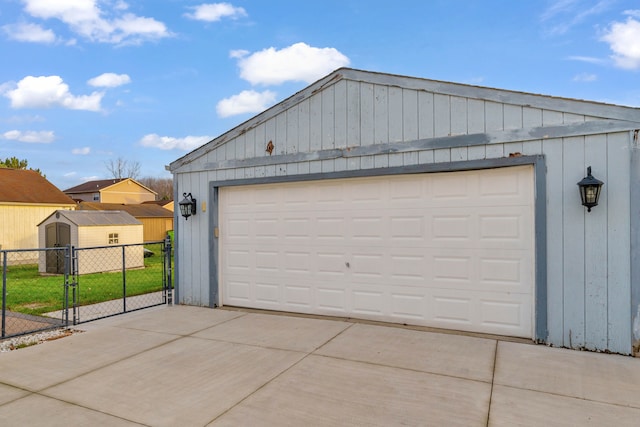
(590, 190)
(187, 206)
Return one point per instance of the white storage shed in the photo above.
(422, 202)
(93, 233)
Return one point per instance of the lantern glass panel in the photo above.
(592, 194)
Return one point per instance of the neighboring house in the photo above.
(421, 202)
(26, 198)
(91, 229)
(156, 220)
(123, 190)
(167, 204)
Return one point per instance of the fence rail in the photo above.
(62, 286)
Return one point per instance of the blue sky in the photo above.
(86, 81)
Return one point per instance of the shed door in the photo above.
(450, 250)
(57, 235)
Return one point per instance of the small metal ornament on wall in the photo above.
(270, 147)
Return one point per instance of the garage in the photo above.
(447, 250)
(421, 202)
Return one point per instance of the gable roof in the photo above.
(27, 186)
(96, 218)
(137, 211)
(93, 186)
(99, 185)
(575, 106)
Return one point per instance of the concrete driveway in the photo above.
(189, 366)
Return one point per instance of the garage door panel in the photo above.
(453, 270)
(367, 265)
(407, 228)
(505, 273)
(265, 261)
(452, 311)
(330, 228)
(445, 250)
(331, 296)
(408, 304)
(298, 296)
(297, 262)
(503, 314)
(268, 294)
(454, 227)
(368, 300)
(238, 291)
(408, 266)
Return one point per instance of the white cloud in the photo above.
(589, 59)
(624, 41)
(83, 151)
(187, 143)
(562, 15)
(238, 53)
(22, 119)
(585, 77)
(99, 21)
(109, 80)
(69, 174)
(32, 33)
(50, 91)
(30, 136)
(298, 62)
(215, 12)
(247, 101)
(635, 13)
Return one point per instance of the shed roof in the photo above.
(27, 186)
(138, 211)
(96, 218)
(567, 105)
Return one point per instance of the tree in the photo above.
(162, 186)
(122, 168)
(15, 163)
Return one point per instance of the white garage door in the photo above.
(450, 250)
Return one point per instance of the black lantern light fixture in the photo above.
(590, 190)
(187, 206)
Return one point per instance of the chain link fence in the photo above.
(49, 288)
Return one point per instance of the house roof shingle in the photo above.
(137, 211)
(93, 186)
(27, 186)
(157, 202)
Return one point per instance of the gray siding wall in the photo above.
(352, 125)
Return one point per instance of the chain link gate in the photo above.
(97, 282)
(80, 260)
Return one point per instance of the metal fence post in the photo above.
(65, 309)
(69, 282)
(4, 292)
(166, 279)
(73, 283)
(124, 280)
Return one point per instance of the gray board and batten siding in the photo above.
(357, 123)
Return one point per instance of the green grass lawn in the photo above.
(31, 293)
